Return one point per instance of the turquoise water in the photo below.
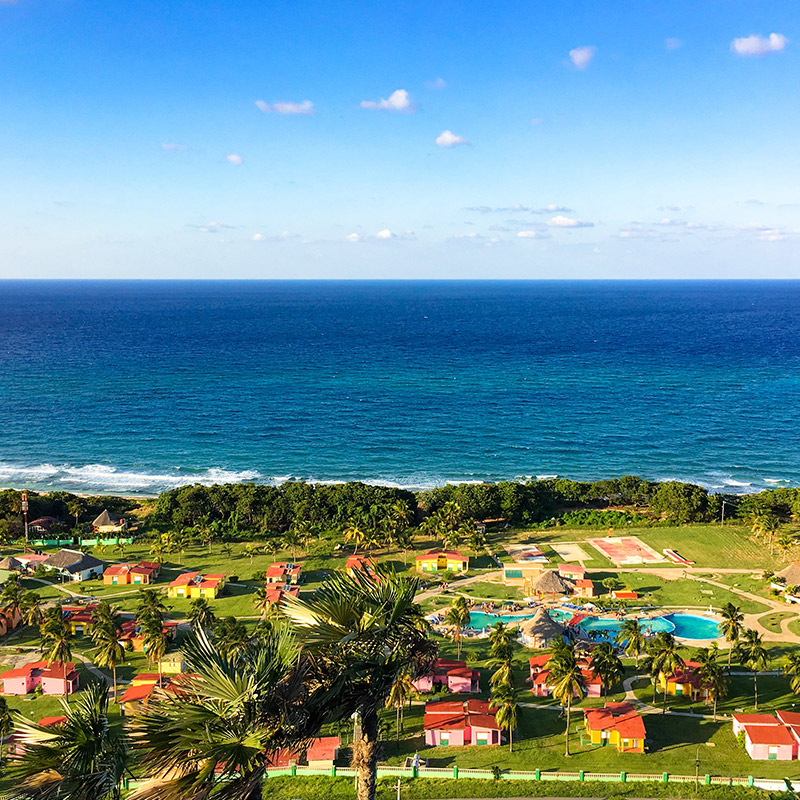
(610, 627)
(479, 620)
(691, 626)
(684, 626)
(139, 386)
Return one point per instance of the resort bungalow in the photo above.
(283, 572)
(79, 619)
(138, 694)
(9, 619)
(356, 563)
(520, 574)
(143, 573)
(108, 523)
(455, 675)
(31, 561)
(75, 565)
(539, 630)
(10, 564)
(276, 594)
(193, 584)
(617, 724)
(549, 583)
(684, 682)
(43, 526)
(53, 676)
(441, 560)
(787, 581)
(468, 722)
(572, 572)
(132, 638)
(768, 738)
(542, 686)
(323, 752)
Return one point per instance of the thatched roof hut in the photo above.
(540, 629)
(10, 563)
(791, 574)
(550, 582)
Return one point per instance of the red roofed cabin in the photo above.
(138, 694)
(357, 563)
(276, 594)
(193, 584)
(617, 724)
(684, 682)
(144, 572)
(131, 633)
(574, 572)
(768, 738)
(462, 722)
(284, 572)
(441, 560)
(15, 747)
(540, 682)
(456, 675)
(53, 676)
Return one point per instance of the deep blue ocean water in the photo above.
(139, 386)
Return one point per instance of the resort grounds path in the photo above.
(456, 586)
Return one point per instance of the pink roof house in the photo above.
(53, 676)
(458, 723)
(456, 675)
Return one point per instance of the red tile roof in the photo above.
(755, 719)
(118, 569)
(789, 717)
(133, 693)
(454, 554)
(49, 722)
(769, 734)
(621, 717)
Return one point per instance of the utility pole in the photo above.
(722, 521)
(697, 769)
(25, 514)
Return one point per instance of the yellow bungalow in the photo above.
(193, 584)
(441, 560)
(616, 724)
(685, 682)
(172, 664)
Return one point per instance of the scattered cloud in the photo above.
(527, 235)
(305, 107)
(551, 208)
(259, 237)
(672, 43)
(673, 209)
(281, 237)
(757, 46)
(470, 235)
(232, 158)
(581, 57)
(212, 227)
(353, 237)
(438, 84)
(560, 221)
(449, 139)
(398, 100)
(170, 146)
(536, 121)
(384, 234)
(754, 202)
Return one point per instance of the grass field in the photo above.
(772, 622)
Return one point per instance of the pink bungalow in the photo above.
(770, 742)
(740, 720)
(540, 677)
(53, 676)
(456, 675)
(459, 723)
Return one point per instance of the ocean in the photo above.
(134, 387)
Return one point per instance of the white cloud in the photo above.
(439, 83)
(756, 45)
(398, 100)
(306, 107)
(449, 139)
(384, 234)
(527, 235)
(672, 43)
(232, 158)
(259, 237)
(581, 57)
(353, 237)
(212, 227)
(560, 221)
(173, 147)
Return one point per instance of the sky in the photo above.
(399, 140)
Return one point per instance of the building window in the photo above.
(513, 573)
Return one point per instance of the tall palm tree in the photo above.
(731, 627)
(292, 540)
(56, 639)
(31, 608)
(568, 681)
(201, 615)
(109, 651)
(402, 691)
(457, 618)
(231, 637)
(6, 725)
(631, 638)
(12, 595)
(665, 659)
(715, 681)
(606, 665)
(150, 604)
(84, 758)
(360, 632)
(505, 698)
(251, 550)
(154, 640)
(792, 668)
(233, 714)
(500, 641)
(751, 653)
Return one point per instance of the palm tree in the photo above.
(250, 550)
(201, 615)
(291, 540)
(12, 595)
(606, 665)
(150, 604)
(500, 641)
(231, 637)
(715, 681)
(505, 699)
(785, 542)
(109, 651)
(792, 668)
(157, 551)
(631, 638)
(568, 679)
(234, 712)
(457, 618)
(665, 659)
(154, 640)
(76, 507)
(402, 691)
(360, 633)
(56, 638)
(751, 653)
(731, 627)
(85, 758)
(6, 724)
(261, 600)
(478, 540)
(31, 608)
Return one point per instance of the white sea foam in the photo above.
(732, 482)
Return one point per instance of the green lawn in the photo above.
(772, 621)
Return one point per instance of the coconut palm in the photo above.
(457, 618)
(12, 596)
(786, 542)
(478, 540)
(665, 660)
(402, 692)
(715, 681)
(109, 651)
(231, 637)
(731, 627)
(251, 550)
(606, 665)
(792, 669)
(84, 758)
(6, 724)
(751, 653)
(154, 640)
(31, 608)
(505, 698)
(150, 604)
(56, 638)
(360, 633)
(568, 681)
(234, 712)
(631, 638)
(292, 540)
(201, 615)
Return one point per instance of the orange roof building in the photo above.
(617, 724)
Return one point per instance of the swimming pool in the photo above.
(684, 626)
(693, 626)
(607, 628)
(480, 620)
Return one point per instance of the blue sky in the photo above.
(415, 139)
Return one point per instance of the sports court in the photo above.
(569, 551)
(623, 551)
(526, 554)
